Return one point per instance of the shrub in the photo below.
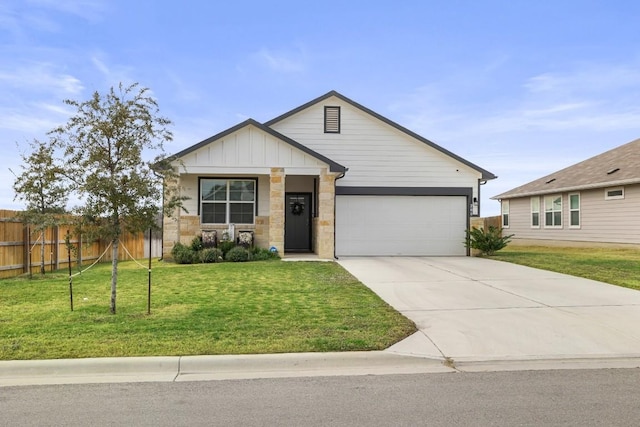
(183, 254)
(262, 254)
(237, 254)
(196, 244)
(225, 246)
(487, 242)
(210, 255)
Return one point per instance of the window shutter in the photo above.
(331, 119)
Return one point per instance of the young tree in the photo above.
(106, 147)
(41, 185)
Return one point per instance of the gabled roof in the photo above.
(333, 166)
(485, 174)
(619, 166)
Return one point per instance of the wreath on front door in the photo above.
(297, 208)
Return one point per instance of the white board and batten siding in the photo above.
(250, 150)
(601, 220)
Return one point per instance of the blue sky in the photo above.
(520, 88)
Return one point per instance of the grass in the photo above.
(611, 265)
(228, 308)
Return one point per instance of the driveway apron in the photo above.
(477, 309)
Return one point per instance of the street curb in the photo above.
(207, 368)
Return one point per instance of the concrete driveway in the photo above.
(476, 309)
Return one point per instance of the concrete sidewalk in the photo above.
(476, 311)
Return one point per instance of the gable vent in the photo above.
(331, 119)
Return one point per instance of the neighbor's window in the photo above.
(614, 193)
(535, 212)
(574, 210)
(505, 213)
(331, 119)
(224, 201)
(553, 211)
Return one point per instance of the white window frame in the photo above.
(504, 213)
(612, 189)
(227, 201)
(553, 211)
(535, 210)
(572, 210)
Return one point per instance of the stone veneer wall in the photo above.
(326, 216)
(276, 209)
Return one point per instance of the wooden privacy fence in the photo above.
(485, 223)
(20, 247)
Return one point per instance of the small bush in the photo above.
(487, 242)
(262, 254)
(183, 254)
(225, 246)
(210, 255)
(237, 254)
(196, 244)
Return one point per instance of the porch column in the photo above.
(276, 209)
(326, 217)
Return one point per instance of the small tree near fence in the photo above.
(489, 241)
(110, 157)
(41, 186)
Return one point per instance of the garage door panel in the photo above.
(400, 225)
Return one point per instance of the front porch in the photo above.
(293, 212)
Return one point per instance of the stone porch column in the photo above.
(326, 215)
(276, 209)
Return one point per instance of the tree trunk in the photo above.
(42, 254)
(114, 273)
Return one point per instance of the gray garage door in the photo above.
(400, 225)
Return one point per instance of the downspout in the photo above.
(335, 256)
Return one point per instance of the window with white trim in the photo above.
(553, 211)
(505, 214)
(574, 210)
(331, 119)
(614, 193)
(224, 201)
(535, 212)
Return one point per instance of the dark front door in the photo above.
(297, 222)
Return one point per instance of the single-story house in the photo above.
(330, 177)
(596, 200)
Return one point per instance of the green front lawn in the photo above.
(616, 266)
(227, 308)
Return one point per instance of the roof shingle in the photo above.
(618, 166)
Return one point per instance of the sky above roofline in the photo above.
(520, 89)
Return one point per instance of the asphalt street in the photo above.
(607, 397)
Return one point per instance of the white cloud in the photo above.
(113, 74)
(281, 61)
(90, 10)
(39, 77)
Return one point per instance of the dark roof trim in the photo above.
(485, 174)
(333, 166)
(403, 191)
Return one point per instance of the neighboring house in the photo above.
(330, 177)
(597, 200)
